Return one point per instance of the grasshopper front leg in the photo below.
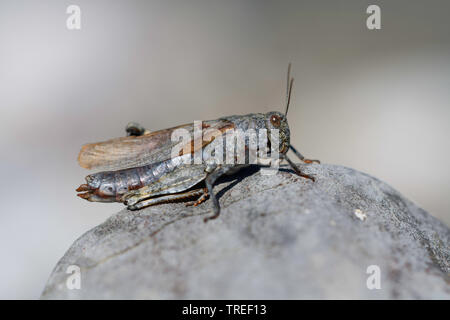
(301, 157)
(294, 166)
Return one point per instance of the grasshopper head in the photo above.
(278, 121)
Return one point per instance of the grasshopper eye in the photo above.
(275, 120)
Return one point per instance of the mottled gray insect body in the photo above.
(151, 173)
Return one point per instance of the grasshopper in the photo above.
(141, 169)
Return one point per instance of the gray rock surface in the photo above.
(278, 237)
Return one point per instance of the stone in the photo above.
(345, 236)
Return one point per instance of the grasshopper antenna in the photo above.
(289, 83)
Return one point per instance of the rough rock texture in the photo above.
(278, 237)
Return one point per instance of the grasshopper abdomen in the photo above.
(110, 186)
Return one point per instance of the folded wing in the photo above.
(132, 151)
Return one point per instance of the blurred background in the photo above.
(373, 100)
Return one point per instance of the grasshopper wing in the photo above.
(132, 151)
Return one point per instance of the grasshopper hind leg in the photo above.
(170, 198)
(200, 200)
